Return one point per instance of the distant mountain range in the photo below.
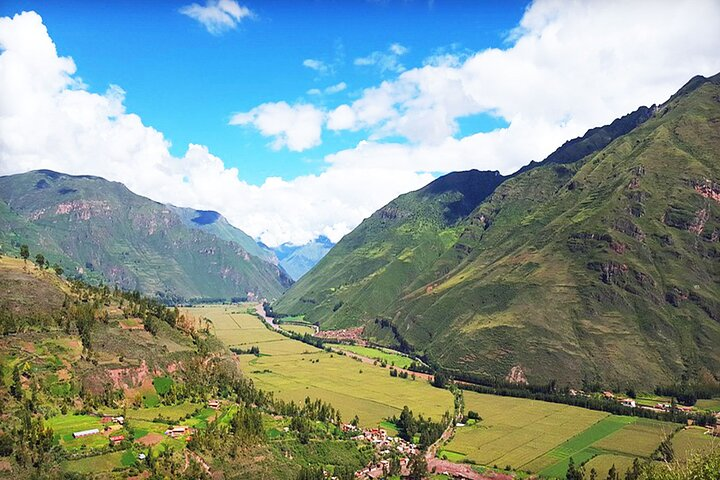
(101, 231)
(600, 263)
(297, 260)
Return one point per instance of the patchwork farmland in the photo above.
(541, 437)
(293, 370)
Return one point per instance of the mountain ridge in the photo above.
(481, 304)
(102, 231)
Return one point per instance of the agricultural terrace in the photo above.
(381, 354)
(294, 370)
(540, 437)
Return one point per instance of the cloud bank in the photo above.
(569, 67)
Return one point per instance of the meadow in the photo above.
(293, 370)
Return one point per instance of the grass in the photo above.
(293, 370)
(693, 440)
(100, 463)
(638, 439)
(162, 384)
(712, 404)
(172, 412)
(379, 354)
(516, 431)
(603, 462)
(299, 329)
(580, 447)
(65, 425)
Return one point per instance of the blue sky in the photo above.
(299, 119)
(191, 96)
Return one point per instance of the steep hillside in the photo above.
(297, 260)
(215, 224)
(604, 269)
(369, 268)
(100, 230)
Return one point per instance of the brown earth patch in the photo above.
(151, 439)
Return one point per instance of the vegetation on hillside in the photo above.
(598, 270)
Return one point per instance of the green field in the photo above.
(388, 356)
(299, 329)
(712, 404)
(603, 462)
(294, 370)
(541, 437)
(101, 463)
(694, 440)
(64, 425)
(516, 431)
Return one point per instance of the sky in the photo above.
(296, 119)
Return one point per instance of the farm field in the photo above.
(299, 329)
(541, 437)
(516, 431)
(712, 404)
(101, 463)
(294, 371)
(388, 356)
(694, 439)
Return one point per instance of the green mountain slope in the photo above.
(100, 230)
(603, 269)
(370, 266)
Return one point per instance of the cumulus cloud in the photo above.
(387, 61)
(569, 67)
(49, 120)
(297, 127)
(218, 16)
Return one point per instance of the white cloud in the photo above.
(388, 61)
(332, 89)
(317, 65)
(218, 16)
(572, 66)
(297, 127)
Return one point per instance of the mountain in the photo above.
(102, 231)
(297, 260)
(212, 222)
(601, 267)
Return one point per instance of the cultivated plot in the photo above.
(293, 370)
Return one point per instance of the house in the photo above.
(176, 431)
(214, 404)
(608, 395)
(86, 433)
(115, 439)
(628, 402)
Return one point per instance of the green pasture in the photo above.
(101, 463)
(379, 354)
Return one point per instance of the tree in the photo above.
(613, 473)
(16, 387)
(24, 252)
(593, 474)
(40, 260)
(417, 467)
(665, 452)
(395, 467)
(58, 269)
(573, 472)
(633, 473)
